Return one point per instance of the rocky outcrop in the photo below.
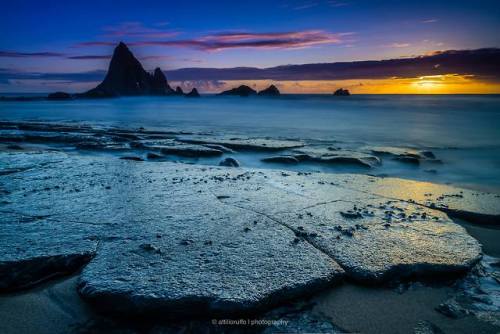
(189, 150)
(229, 162)
(342, 92)
(270, 91)
(405, 155)
(242, 90)
(159, 84)
(251, 144)
(223, 235)
(127, 77)
(326, 156)
(193, 93)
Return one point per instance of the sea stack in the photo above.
(193, 93)
(341, 92)
(127, 77)
(179, 91)
(270, 91)
(242, 90)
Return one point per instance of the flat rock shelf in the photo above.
(169, 237)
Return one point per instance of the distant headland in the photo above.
(127, 77)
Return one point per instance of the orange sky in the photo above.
(438, 84)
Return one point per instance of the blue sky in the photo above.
(77, 36)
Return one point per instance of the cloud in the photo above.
(14, 54)
(399, 45)
(482, 62)
(333, 3)
(95, 43)
(242, 39)
(429, 21)
(306, 6)
(89, 76)
(91, 57)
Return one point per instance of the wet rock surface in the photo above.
(333, 156)
(189, 150)
(229, 162)
(478, 294)
(181, 238)
(35, 249)
(406, 155)
(245, 143)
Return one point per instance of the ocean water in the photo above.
(462, 130)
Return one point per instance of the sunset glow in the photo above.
(358, 45)
(441, 84)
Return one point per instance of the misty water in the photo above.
(463, 131)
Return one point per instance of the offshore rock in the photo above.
(270, 91)
(341, 92)
(193, 93)
(240, 91)
(127, 77)
(179, 91)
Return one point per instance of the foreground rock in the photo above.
(35, 249)
(326, 156)
(229, 162)
(477, 294)
(406, 155)
(239, 91)
(182, 239)
(189, 150)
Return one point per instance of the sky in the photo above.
(56, 45)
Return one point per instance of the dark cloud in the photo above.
(89, 57)
(482, 62)
(90, 76)
(14, 54)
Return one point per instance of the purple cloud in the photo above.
(91, 57)
(14, 54)
(233, 40)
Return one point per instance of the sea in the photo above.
(463, 131)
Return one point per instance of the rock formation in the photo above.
(193, 93)
(127, 77)
(242, 90)
(179, 91)
(270, 91)
(341, 92)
